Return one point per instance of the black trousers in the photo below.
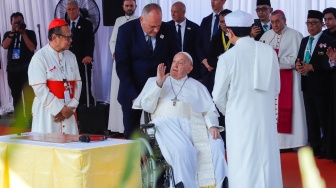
(83, 98)
(317, 114)
(18, 83)
(131, 120)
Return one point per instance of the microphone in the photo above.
(39, 32)
(88, 138)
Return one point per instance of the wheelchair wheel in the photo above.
(148, 165)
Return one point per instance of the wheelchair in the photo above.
(155, 171)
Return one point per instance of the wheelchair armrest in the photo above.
(146, 126)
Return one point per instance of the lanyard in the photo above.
(226, 44)
(61, 65)
(17, 42)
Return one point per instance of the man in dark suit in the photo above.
(142, 44)
(329, 15)
(262, 24)
(313, 64)
(82, 45)
(187, 34)
(219, 44)
(209, 27)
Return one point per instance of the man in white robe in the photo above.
(246, 84)
(286, 42)
(54, 76)
(186, 123)
(115, 123)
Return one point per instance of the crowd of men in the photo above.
(266, 84)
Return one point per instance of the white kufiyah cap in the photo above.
(239, 18)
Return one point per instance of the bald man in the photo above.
(142, 44)
(187, 32)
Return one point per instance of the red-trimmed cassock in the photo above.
(50, 74)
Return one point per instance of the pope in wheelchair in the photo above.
(186, 122)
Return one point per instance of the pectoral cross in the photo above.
(69, 87)
(175, 100)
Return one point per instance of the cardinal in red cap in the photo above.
(57, 22)
(54, 76)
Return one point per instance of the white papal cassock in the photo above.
(288, 43)
(182, 130)
(46, 78)
(115, 123)
(246, 84)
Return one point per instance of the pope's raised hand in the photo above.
(160, 74)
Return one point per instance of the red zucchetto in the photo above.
(57, 23)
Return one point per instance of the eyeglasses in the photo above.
(67, 37)
(263, 9)
(311, 23)
(222, 22)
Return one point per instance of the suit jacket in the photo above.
(216, 48)
(257, 22)
(82, 41)
(189, 45)
(204, 37)
(317, 81)
(135, 62)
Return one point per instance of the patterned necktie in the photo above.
(149, 42)
(73, 27)
(308, 52)
(265, 27)
(215, 26)
(179, 34)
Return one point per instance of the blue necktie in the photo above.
(308, 52)
(149, 42)
(73, 27)
(179, 34)
(215, 26)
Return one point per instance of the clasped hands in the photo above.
(65, 113)
(303, 67)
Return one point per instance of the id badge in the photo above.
(66, 96)
(16, 53)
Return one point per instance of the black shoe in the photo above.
(320, 155)
(117, 135)
(10, 114)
